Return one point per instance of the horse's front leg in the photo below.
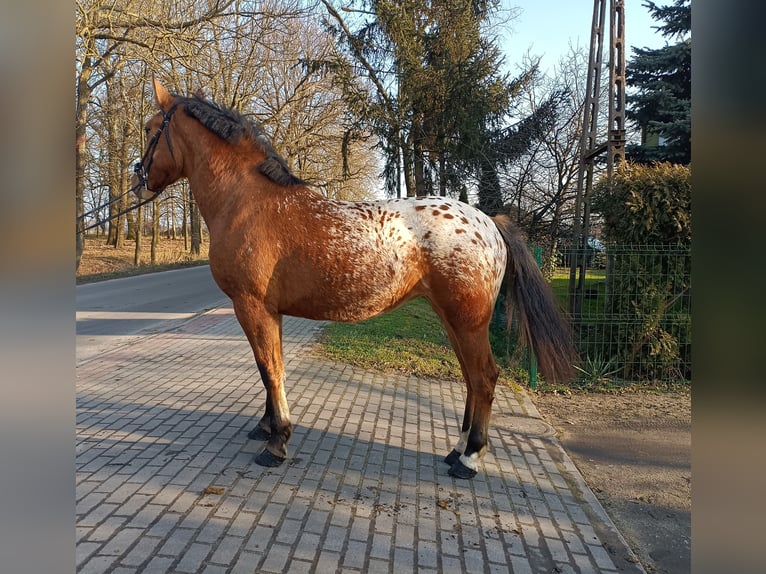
(264, 332)
(262, 431)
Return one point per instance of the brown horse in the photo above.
(279, 248)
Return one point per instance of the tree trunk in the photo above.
(442, 173)
(422, 186)
(185, 216)
(81, 119)
(398, 172)
(113, 163)
(137, 228)
(120, 221)
(409, 179)
(196, 226)
(155, 230)
(172, 210)
(490, 197)
(131, 227)
(124, 183)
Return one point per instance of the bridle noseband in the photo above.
(141, 169)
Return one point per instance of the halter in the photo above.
(142, 170)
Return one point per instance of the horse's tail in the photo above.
(541, 324)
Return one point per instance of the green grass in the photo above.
(594, 279)
(409, 340)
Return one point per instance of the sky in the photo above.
(547, 27)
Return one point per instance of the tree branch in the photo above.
(356, 47)
(135, 21)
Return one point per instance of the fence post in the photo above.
(538, 253)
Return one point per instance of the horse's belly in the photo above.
(355, 293)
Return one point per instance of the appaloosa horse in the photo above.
(279, 248)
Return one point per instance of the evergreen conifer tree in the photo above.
(660, 101)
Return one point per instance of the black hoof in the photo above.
(452, 457)
(267, 458)
(258, 433)
(459, 470)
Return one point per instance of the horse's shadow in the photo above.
(392, 446)
(368, 463)
(333, 476)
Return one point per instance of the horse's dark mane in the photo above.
(232, 126)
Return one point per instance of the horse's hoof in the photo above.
(269, 459)
(452, 457)
(459, 470)
(258, 433)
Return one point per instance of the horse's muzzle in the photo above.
(144, 193)
(139, 187)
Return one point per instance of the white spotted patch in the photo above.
(392, 245)
(461, 444)
(282, 406)
(471, 461)
(461, 241)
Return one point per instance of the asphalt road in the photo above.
(114, 312)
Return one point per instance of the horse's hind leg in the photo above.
(480, 372)
(459, 449)
(264, 332)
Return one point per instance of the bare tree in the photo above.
(247, 55)
(104, 30)
(541, 186)
(306, 114)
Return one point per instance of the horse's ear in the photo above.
(161, 95)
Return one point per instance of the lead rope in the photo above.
(118, 214)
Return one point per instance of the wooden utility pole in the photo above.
(590, 149)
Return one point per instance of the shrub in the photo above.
(646, 204)
(647, 225)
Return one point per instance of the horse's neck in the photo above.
(217, 177)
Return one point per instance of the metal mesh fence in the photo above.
(631, 316)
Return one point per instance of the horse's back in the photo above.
(432, 246)
(348, 261)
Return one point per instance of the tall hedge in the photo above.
(646, 204)
(647, 228)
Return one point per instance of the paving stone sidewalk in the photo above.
(166, 482)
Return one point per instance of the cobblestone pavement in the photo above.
(166, 482)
